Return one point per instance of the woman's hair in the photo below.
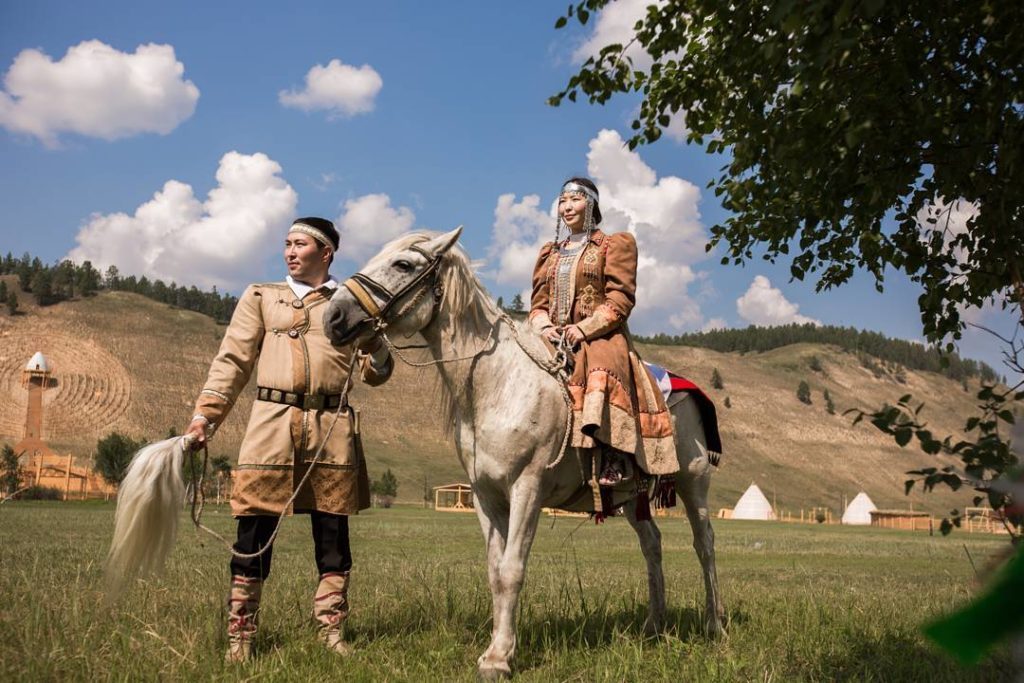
(587, 182)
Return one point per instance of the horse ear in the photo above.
(442, 243)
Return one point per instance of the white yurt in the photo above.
(753, 505)
(859, 510)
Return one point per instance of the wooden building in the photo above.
(902, 519)
(453, 498)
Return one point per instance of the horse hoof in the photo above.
(714, 629)
(494, 672)
(652, 628)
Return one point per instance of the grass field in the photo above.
(805, 603)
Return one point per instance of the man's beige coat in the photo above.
(282, 338)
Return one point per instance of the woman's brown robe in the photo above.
(616, 401)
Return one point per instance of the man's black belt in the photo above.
(304, 401)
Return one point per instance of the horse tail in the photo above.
(146, 521)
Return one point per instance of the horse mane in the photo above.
(466, 315)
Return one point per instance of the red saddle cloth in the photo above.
(706, 406)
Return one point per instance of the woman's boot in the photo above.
(243, 617)
(330, 609)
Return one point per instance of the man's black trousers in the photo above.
(330, 544)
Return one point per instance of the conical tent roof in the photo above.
(753, 505)
(859, 510)
(38, 363)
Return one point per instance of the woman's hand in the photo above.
(552, 334)
(573, 336)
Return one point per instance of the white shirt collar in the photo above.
(301, 289)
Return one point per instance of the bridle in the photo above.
(364, 288)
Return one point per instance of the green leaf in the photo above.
(562, 21)
(969, 633)
(903, 437)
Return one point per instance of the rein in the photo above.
(363, 287)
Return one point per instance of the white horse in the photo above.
(509, 418)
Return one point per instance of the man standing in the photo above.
(301, 377)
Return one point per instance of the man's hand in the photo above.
(371, 345)
(196, 433)
(573, 336)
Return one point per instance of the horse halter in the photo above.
(363, 288)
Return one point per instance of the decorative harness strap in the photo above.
(362, 296)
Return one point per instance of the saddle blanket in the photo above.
(674, 388)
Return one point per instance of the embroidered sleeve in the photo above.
(619, 287)
(540, 317)
(233, 365)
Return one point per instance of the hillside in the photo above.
(124, 362)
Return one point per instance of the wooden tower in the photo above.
(36, 378)
(43, 466)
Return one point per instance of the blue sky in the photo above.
(433, 115)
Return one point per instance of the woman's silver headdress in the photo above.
(588, 216)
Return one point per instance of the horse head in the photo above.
(399, 289)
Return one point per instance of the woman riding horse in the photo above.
(584, 288)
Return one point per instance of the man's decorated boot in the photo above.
(243, 617)
(330, 609)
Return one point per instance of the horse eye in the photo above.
(403, 266)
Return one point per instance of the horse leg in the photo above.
(507, 578)
(493, 517)
(650, 543)
(693, 489)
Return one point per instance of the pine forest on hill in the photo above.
(65, 280)
(910, 355)
(133, 364)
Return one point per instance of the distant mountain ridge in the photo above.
(124, 362)
(65, 279)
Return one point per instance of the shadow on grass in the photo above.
(601, 628)
(902, 657)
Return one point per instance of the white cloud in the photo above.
(614, 24)
(369, 222)
(325, 181)
(765, 305)
(222, 241)
(949, 218)
(341, 89)
(677, 129)
(520, 229)
(96, 91)
(714, 324)
(661, 213)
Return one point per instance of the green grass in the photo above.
(806, 603)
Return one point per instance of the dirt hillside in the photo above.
(124, 362)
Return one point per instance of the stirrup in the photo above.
(615, 472)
